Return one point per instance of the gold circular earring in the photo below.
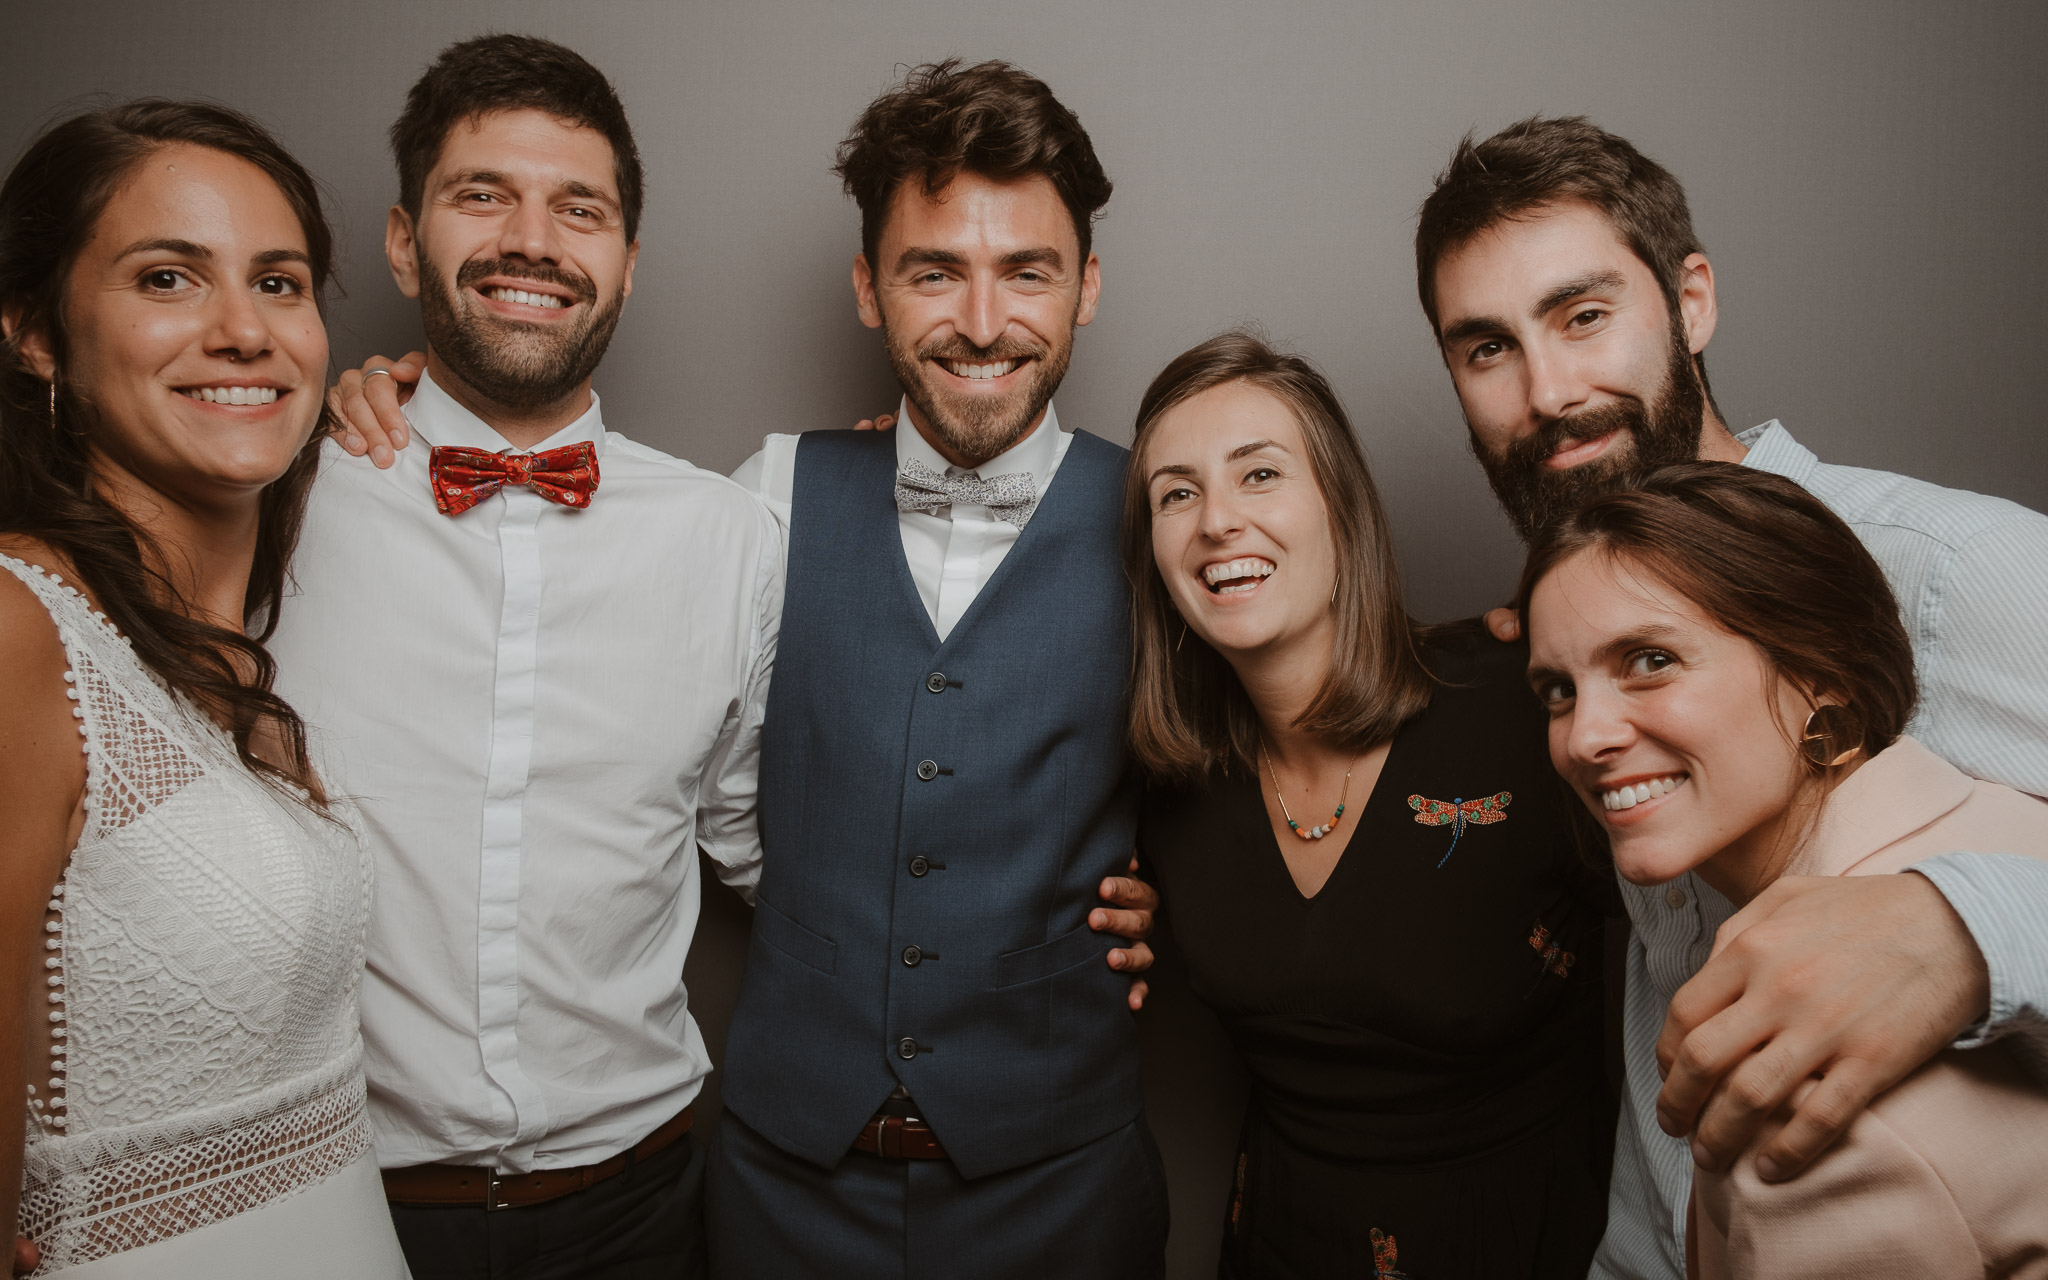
(1833, 735)
(53, 406)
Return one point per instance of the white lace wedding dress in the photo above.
(203, 1112)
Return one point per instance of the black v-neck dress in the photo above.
(1424, 1034)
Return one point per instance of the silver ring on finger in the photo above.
(373, 373)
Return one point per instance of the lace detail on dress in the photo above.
(205, 946)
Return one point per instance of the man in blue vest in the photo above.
(931, 1070)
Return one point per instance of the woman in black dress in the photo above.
(1367, 859)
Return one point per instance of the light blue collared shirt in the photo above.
(1971, 576)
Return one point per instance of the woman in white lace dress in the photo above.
(181, 905)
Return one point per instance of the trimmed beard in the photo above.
(1665, 431)
(978, 428)
(517, 366)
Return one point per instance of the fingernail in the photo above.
(352, 442)
(381, 456)
(1668, 1123)
(1768, 1169)
(1116, 959)
(1703, 1157)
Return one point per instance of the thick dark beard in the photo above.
(980, 428)
(520, 367)
(1665, 431)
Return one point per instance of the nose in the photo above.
(1556, 386)
(1595, 732)
(1222, 518)
(240, 330)
(530, 233)
(983, 316)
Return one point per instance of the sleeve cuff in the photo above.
(2003, 901)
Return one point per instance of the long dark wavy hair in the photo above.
(49, 205)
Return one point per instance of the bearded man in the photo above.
(1573, 306)
(541, 719)
(931, 1071)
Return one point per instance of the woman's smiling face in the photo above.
(1240, 531)
(1677, 733)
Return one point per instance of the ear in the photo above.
(864, 301)
(632, 257)
(1091, 290)
(33, 343)
(1696, 304)
(401, 250)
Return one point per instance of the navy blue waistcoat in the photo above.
(937, 819)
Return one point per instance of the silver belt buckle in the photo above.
(491, 1184)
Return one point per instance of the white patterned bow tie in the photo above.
(1012, 496)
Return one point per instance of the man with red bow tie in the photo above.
(537, 652)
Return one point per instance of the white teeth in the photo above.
(1630, 796)
(980, 371)
(547, 300)
(1248, 567)
(232, 395)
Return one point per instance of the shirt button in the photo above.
(919, 865)
(936, 682)
(906, 1048)
(927, 769)
(1675, 897)
(913, 956)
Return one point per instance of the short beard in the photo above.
(979, 428)
(519, 367)
(1665, 431)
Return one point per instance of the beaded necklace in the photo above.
(1306, 833)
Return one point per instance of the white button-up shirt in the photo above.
(952, 552)
(544, 713)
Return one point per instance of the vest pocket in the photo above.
(1029, 964)
(793, 940)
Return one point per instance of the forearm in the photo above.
(2003, 902)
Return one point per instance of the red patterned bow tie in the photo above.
(464, 477)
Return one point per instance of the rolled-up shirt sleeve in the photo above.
(2003, 900)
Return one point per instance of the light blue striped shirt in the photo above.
(1971, 575)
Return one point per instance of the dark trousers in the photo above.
(1096, 1211)
(644, 1224)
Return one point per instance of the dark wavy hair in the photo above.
(1768, 561)
(49, 205)
(505, 72)
(1189, 714)
(989, 119)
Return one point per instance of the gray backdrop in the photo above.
(1868, 178)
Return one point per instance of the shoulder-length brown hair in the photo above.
(49, 204)
(1189, 715)
(1766, 560)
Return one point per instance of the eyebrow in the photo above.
(1247, 450)
(160, 244)
(918, 257)
(1593, 282)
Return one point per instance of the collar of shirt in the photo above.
(1772, 448)
(439, 419)
(1037, 453)
(1895, 793)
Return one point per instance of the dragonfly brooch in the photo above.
(1458, 812)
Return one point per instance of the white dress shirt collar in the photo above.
(439, 418)
(1037, 453)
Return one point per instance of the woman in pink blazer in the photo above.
(1729, 683)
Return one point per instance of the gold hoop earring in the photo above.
(1183, 636)
(53, 406)
(1833, 735)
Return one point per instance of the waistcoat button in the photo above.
(1675, 897)
(927, 769)
(936, 682)
(919, 865)
(906, 1048)
(913, 956)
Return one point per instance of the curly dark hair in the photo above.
(49, 204)
(989, 119)
(505, 72)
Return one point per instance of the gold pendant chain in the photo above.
(1306, 833)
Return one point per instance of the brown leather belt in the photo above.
(474, 1186)
(899, 1138)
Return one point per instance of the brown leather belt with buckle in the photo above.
(477, 1187)
(899, 1138)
